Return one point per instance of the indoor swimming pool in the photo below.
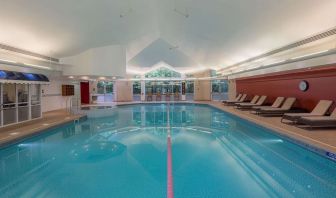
(163, 150)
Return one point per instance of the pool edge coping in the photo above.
(41, 131)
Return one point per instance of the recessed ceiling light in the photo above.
(71, 77)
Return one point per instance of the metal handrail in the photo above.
(69, 105)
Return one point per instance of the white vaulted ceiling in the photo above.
(181, 33)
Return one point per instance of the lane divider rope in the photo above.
(170, 191)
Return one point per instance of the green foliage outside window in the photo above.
(109, 87)
(100, 87)
(136, 87)
(163, 73)
(104, 87)
(219, 86)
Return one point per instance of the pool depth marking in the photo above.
(170, 192)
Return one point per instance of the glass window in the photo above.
(109, 87)
(149, 88)
(215, 86)
(9, 103)
(35, 94)
(219, 89)
(22, 95)
(176, 88)
(101, 87)
(22, 90)
(9, 94)
(136, 87)
(163, 73)
(190, 87)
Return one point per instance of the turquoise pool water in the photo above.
(124, 154)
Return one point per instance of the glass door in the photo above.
(23, 106)
(219, 90)
(9, 103)
(35, 101)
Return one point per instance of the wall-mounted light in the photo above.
(9, 61)
(315, 53)
(36, 66)
(277, 62)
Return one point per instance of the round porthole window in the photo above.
(303, 86)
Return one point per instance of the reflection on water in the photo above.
(96, 151)
(123, 154)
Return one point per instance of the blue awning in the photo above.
(12, 75)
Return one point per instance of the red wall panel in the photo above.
(85, 92)
(322, 85)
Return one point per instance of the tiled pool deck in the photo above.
(14, 133)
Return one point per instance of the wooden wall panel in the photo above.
(322, 85)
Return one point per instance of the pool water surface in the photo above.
(127, 153)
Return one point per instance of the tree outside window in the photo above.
(136, 87)
(109, 87)
(101, 87)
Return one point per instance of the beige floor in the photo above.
(50, 119)
(324, 139)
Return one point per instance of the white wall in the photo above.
(202, 89)
(102, 61)
(52, 98)
(232, 91)
(123, 91)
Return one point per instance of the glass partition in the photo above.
(101, 87)
(163, 90)
(136, 91)
(9, 104)
(35, 101)
(219, 90)
(109, 87)
(189, 90)
(109, 92)
(104, 91)
(23, 107)
(19, 102)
